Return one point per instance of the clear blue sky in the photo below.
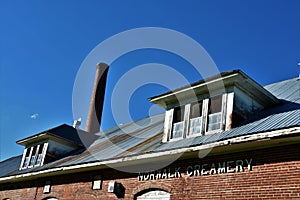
(43, 43)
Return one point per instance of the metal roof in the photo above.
(145, 136)
(10, 165)
(64, 132)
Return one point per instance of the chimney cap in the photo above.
(101, 65)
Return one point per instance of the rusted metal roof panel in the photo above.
(135, 138)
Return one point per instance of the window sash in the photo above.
(203, 117)
(215, 104)
(214, 121)
(38, 159)
(32, 160)
(33, 156)
(25, 162)
(177, 130)
(195, 126)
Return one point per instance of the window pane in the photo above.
(177, 130)
(196, 110)
(195, 125)
(26, 161)
(38, 160)
(215, 105)
(32, 159)
(214, 121)
(39, 155)
(28, 152)
(178, 115)
(41, 149)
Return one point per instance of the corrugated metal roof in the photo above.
(288, 90)
(145, 135)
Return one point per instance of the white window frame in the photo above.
(189, 133)
(223, 115)
(183, 124)
(193, 134)
(173, 133)
(204, 122)
(35, 156)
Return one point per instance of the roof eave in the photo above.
(47, 136)
(32, 139)
(278, 135)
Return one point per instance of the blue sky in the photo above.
(43, 43)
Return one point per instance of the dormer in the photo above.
(212, 105)
(52, 145)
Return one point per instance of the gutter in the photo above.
(101, 164)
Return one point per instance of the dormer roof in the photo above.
(215, 85)
(64, 134)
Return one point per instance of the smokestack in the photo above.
(97, 99)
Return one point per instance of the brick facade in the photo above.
(275, 174)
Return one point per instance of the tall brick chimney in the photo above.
(97, 99)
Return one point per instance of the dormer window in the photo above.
(198, 118)
(211, 105)
(53, 144)
(34, 156)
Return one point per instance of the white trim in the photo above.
(204, 123)
(38, 146)
(194, 87)
(23, 159)
(229, 111)
(241, 139)
(45, 147)
(167, 125)
(30, 153)
(205, 115)
(185, 116)
(223, 106)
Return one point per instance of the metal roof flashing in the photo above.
(215, 85)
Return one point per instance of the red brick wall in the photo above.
(275, 175)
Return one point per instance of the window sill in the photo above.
(194, 135)
(213, 131)
(175, 139)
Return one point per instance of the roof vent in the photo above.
(77, 123)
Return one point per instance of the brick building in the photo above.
(223, 138)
